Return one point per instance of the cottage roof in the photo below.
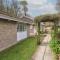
(23, 19)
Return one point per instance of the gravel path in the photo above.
(43, 52)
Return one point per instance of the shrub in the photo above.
(55, 46)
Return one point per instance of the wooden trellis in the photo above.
(54, 19)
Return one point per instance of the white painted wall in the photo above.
(59, 23)
(33, 30)
(21, 35)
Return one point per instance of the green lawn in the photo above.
(21, 51)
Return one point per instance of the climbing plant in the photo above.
(44, 18)
(37, 22)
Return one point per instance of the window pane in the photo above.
(22, 27)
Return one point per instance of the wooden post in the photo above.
(55, 28)
(38, 38)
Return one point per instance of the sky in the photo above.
(39, 7)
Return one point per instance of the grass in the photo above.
(21, 51)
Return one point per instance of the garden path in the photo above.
(43, 51)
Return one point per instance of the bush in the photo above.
(55, 46)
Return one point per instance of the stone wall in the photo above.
(8, 34)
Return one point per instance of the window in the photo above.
(21, 27)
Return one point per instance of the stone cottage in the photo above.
(12, 30)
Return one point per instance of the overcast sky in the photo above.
(38, 7)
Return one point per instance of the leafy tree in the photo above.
(13, 7)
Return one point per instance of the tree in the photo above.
(16, 6)
(10, 7)
(1, 5)
(58, 6)
(24, 5)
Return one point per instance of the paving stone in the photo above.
(43, 52)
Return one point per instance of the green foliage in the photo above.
(47, 17)
(21, 51)
(58, 36)
(55, 44)
(37, 19)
